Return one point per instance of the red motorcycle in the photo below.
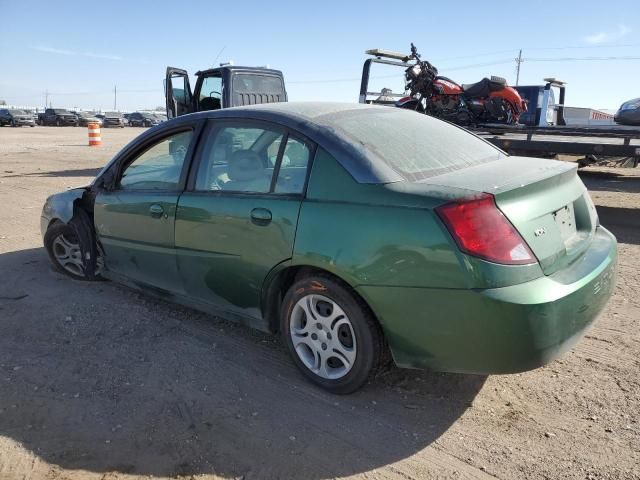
(490, 100)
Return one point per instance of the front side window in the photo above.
(160, 166)
(211, 93)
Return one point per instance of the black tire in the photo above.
(55, 231)
(13, 123)
(58, 123)
(367, 332)
(73, 234)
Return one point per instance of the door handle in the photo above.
(156, 211)
(261, 216)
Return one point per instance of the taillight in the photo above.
(481, 229)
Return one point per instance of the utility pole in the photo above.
(46, 98)
(115, 98)
(518, 62)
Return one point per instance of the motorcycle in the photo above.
(490, 100)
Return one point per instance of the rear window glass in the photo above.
(414, 145)
(257, 83)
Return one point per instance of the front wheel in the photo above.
(58, 122)
(331, 334)
(63, 246)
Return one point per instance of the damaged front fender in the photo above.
(60, 207)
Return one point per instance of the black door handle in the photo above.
(156, 211)
(261, 216)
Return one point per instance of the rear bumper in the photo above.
(502, 330)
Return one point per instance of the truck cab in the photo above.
(222, 87)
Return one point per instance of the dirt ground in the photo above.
(100, 382)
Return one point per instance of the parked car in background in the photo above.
(34, 115)
(84, 118)
(160, 116)
(59, 117)
(629, 113)
(15, 118)
(113, 119)
(143, 119)
(349, 229)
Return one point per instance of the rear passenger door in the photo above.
(238, 218)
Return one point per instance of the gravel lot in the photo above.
(97, 381)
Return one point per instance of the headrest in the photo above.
(245, 165)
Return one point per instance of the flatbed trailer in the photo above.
(594, 143)
(591, 144)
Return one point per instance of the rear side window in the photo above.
(293, 168)
(239, 158)
(416, 146)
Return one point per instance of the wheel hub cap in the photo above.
(68, 255)
(323, 336)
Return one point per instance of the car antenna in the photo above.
(218, 56)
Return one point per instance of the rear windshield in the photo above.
(17, 112)
(251, 83)
(416, 146)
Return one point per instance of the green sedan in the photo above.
(352, 231)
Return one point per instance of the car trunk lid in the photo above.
(545, 200)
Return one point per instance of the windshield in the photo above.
(112, 114)
(59, 111)
(17, 112)
(635, 103)
(416, 146)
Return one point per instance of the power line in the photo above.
(577, 59)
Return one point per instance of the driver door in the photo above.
(135, 218)
(179, 99)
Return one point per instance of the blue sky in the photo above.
(78, 50)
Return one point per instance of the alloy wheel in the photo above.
(66, 252)
(323, 336)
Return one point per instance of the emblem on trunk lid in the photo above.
(539, 231)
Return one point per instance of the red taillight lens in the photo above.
(481, 229)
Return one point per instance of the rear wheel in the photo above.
(331, 334)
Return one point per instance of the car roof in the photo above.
(315, 121)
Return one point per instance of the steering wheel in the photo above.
(218, 93)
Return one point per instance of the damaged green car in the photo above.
(352, 231)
